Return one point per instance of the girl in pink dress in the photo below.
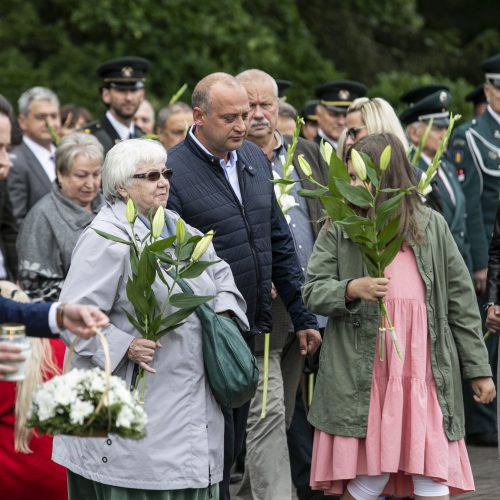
(394, 427)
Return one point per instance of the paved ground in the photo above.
(486, 470)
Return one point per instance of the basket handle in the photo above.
(107, 372)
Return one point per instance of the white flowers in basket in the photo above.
(87, 403)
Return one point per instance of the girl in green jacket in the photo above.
(394, 427)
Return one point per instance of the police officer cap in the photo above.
(282, 86)
(434, 106)
(491, 69)
(124, 73)
(309, 111)
(338, 95)
(476, 96)
(418, 93)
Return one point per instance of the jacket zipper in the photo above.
(209, 482)
(248, 230)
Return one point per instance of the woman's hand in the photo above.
(9, 354)
(142, 351)
(484, 390)
(367, 288)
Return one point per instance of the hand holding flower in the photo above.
(367, 288)
(141, 351)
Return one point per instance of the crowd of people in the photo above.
(373, 425)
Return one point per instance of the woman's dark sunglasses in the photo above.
(354, 131)
(155, 175)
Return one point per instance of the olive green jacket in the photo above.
(342, 393)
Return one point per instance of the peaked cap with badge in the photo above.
(418, 93)
(491, 70)
(339, 95)
(123, 73)
(432, 107)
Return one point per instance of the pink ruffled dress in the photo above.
(405, 434)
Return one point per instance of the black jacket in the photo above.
(252, 237)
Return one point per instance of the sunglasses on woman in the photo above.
(354, 131)
(154, 176)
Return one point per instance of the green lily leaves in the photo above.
(163, 259)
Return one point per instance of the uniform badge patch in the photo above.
(460, 174)
(458, 142)
(458, 156)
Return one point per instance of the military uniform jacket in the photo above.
(475, 153)
(453, 208)
(106, 133)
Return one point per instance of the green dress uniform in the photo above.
(475, 153)
(453, 205)
(106, 133)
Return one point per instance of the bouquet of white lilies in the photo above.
(80, 403)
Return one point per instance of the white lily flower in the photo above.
(359, 165)
(327, 152)
(287, 201)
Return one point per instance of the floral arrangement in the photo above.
(86, 403)
(178, 256)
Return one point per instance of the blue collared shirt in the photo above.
(229, 167)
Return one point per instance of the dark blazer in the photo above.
(8, 232)
(34, 316)
(106, 133)
(27, 181)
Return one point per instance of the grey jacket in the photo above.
(185, 433)
(27, 181)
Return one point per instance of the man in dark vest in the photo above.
(122, 91)
(222, 182)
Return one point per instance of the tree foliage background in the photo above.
(391, 45)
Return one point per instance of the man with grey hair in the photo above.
(33, 161)
(173, 123)
(267, 467)
(221, 182)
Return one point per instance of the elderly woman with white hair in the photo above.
(52, 227)
(182, 456)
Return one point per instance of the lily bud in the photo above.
(158, 222)
(202, 246)
(304, 166)
(385, 158)
(130, 211)
(359, 165)
(180, 231)
(327, 152)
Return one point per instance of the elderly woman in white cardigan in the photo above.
(182, 455)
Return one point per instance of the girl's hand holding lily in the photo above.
(367, 288)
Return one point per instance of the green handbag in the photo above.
(229, 363)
